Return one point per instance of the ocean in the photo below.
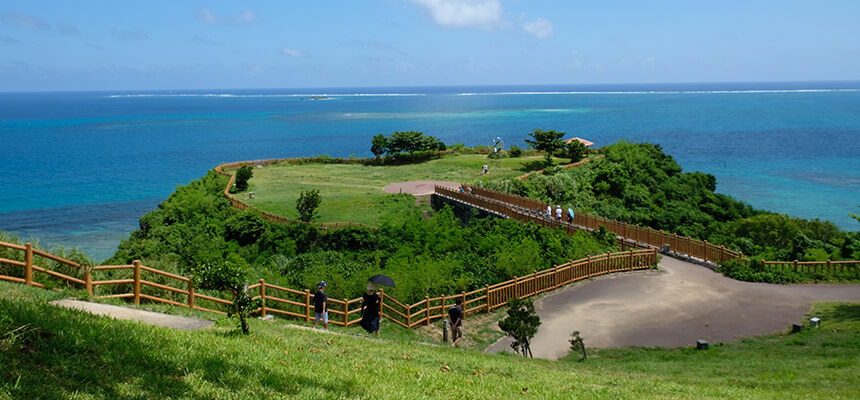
(82, 167)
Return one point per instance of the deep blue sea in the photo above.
(80, 169)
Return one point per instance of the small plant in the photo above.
(231, 275)
(243, 174)
(307, 204)
(577, 345)
(516, 151)
(521, 324)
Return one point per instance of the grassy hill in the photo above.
(47, 352)
(353, 192)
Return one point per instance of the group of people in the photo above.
(369, 308)
(559, 213)
(370, 312)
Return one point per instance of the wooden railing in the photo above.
(298, 304)
(265, 214)
(531, 210)
(828, 267)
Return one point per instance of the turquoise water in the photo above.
(82, 168)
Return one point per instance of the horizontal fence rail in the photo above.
(530, 210)
(137, 282)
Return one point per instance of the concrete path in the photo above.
(418, 188)
(149, 317)
(670, 308)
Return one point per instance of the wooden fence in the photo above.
(277, 300)
(825, 267)
(531, 210)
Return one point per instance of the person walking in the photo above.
(455, 315)
(548, 211)
(320, 305)
(558, 212)
(370, 310)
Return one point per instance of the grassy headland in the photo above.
(47, 352)
(353, 192)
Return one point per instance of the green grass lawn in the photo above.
(47, 352)
(352, 192)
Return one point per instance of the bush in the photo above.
(243, 174)
(516, 151)
(307, 204)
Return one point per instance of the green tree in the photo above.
(243, 174)
(521, 324)
(548, 142)
(855, 216)
(412, 141)
(230, 275)
(307, 204)
(380, 143)
(576, 150)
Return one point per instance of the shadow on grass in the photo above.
(536, 165)
(846, 313)
(92, 356)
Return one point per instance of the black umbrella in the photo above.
(383, 280)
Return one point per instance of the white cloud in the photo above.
(650, 62)
(67, 29)
(483, 13)
(293, 52)
(540, 28)
(244, 17)
(9, 40)
(128, 35)
(206, 42)
(26, 21)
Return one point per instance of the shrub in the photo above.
(516, 151)
(243, 174)
(307, 204)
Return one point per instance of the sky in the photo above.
(169, 45)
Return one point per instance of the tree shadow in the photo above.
(535, 165)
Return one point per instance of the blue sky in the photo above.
(129, 45)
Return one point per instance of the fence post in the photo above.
(28, 264)
(88, 280)
(442, 309)
(262, 297)
(345, 313)
(722, 253)
(536, 284)
(465, 306)
(609, 261)
(828, 266)
(795, 265)
(516, 288)
(762, 264)
(489, 306)
(631, 259)
(190, 292)
(555, 284)
(307, 306)
(136, 282)
(381, 299)
(427, 304)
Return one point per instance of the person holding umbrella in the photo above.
(370, 310)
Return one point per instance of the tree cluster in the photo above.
(406, 141)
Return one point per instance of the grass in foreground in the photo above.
(68, 354)
(353, 192)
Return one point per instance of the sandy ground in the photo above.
(418, 188)
(149, 317)
(670, 308)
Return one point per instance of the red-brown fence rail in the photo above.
(530, 210)
(138, 283)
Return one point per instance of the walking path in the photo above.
(672, 307)
(149, 317)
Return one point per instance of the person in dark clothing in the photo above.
(455, 315)
(370, 310)
(320, 305)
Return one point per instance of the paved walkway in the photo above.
(672, 307)
(148, 317)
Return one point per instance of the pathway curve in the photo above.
(126, 313)
(672, 307)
